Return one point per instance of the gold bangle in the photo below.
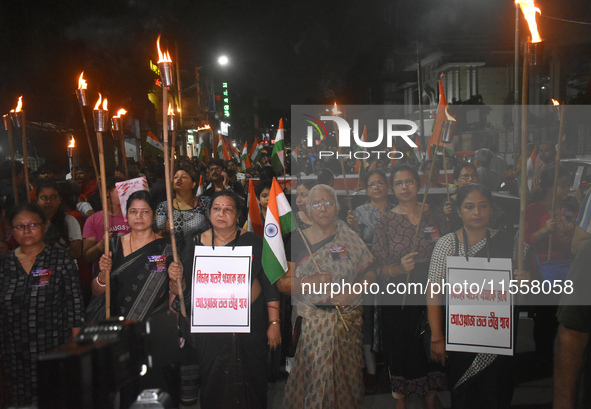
(277, 321)
(390, 270)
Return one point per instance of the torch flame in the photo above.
(72, 142)
(449, 117)
(120, 112)
(529, 10)
(441, 76)
(82, 82)
(98, 103)
(335, 110)
(162, 57)
(201, 128)
(170, 110)
(105, 104)
(555, 102)
(19, 106)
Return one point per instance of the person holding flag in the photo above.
(330, 327)
(233, 366)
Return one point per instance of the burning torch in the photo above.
(165, 67)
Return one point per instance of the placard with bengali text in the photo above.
(221, 289)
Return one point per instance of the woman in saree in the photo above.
(137, 264)
(232, 366)
(475, 380)
(327, 371)
(411, 374)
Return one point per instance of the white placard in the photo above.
(479, 315)
(220, 294)
(126, 188)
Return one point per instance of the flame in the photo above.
(82, 82)
(120, 112)
(555, 102)
(335, 110)
(19, 106)
(449, 117)
(529, 10)
(170, 110)
(105, 105)
(162, 57)
(72, 143)
(98, 103)
(441, 76)
(201, 128)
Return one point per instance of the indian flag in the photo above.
(220, 147)
(245, 160)
(278, 221)
(154, 145)
(277, 156)
(256, 155)
(201, 149)
(200, 187)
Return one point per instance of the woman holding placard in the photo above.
(233, 365)
(475, 380)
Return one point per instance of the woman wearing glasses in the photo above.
(410, 373)
(364, 221)
(40, 303)
(328, 364)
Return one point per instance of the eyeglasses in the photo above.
(318, 205)
(408, 182)
(31, 226)
(469, 177)
(377, 184)
(215, 169)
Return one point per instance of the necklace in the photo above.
(24, 259)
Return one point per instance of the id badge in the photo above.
(339, 253)
(40, 278)
(157, 263)
(431, 233)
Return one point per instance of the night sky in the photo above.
(284, 52)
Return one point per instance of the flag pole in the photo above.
(557, 164)
(415, 239)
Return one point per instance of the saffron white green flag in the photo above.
(201, 148)
(153, 144)
(220, 148)
(277, 156)
(278, 221)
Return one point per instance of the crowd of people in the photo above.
(54, 273)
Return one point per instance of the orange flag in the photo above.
(439, 118)
(255, 221)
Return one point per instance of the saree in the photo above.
(138, 282)
(328, 365)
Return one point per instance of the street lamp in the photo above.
(223, 60)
